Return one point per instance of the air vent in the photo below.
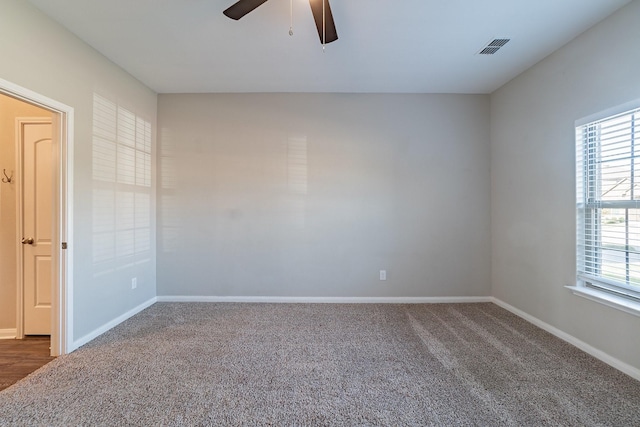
(493, 46)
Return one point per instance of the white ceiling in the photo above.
(416, 46)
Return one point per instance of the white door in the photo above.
(37, 225)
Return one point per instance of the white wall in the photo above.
(313, 194)
(533, 179)
(40, 55)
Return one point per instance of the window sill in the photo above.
(607, 299)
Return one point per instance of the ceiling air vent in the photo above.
(493, 46)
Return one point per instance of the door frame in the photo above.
(62, 289)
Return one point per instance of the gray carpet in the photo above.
(324, 364)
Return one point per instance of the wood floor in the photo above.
(19, 358)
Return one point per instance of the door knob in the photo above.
(28, 241)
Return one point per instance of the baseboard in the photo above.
(8, 334)
(326, 300)
(598, 354)
(104, 328)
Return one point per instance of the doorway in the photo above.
(47, 258)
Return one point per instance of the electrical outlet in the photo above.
(134, 283)
(383, 274)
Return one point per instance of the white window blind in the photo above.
(608, 204)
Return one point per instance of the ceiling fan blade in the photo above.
(330, 33)
(241, 8)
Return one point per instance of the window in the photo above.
(608, 204)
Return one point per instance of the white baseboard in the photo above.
(8, 334)
(598, 354)
(328, 300)
(104, 328)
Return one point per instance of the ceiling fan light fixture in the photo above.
(320, 9)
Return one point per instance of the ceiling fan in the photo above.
(320, 9)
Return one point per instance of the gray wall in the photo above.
(533, 179)
(310, 195)
(39, 54)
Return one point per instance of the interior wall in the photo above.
(10, 109)
(310, 195)
(39, 54)
(533, 179)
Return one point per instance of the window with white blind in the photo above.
(608, 204)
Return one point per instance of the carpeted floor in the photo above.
(324, 364)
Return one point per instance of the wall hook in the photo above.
(7, 179)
